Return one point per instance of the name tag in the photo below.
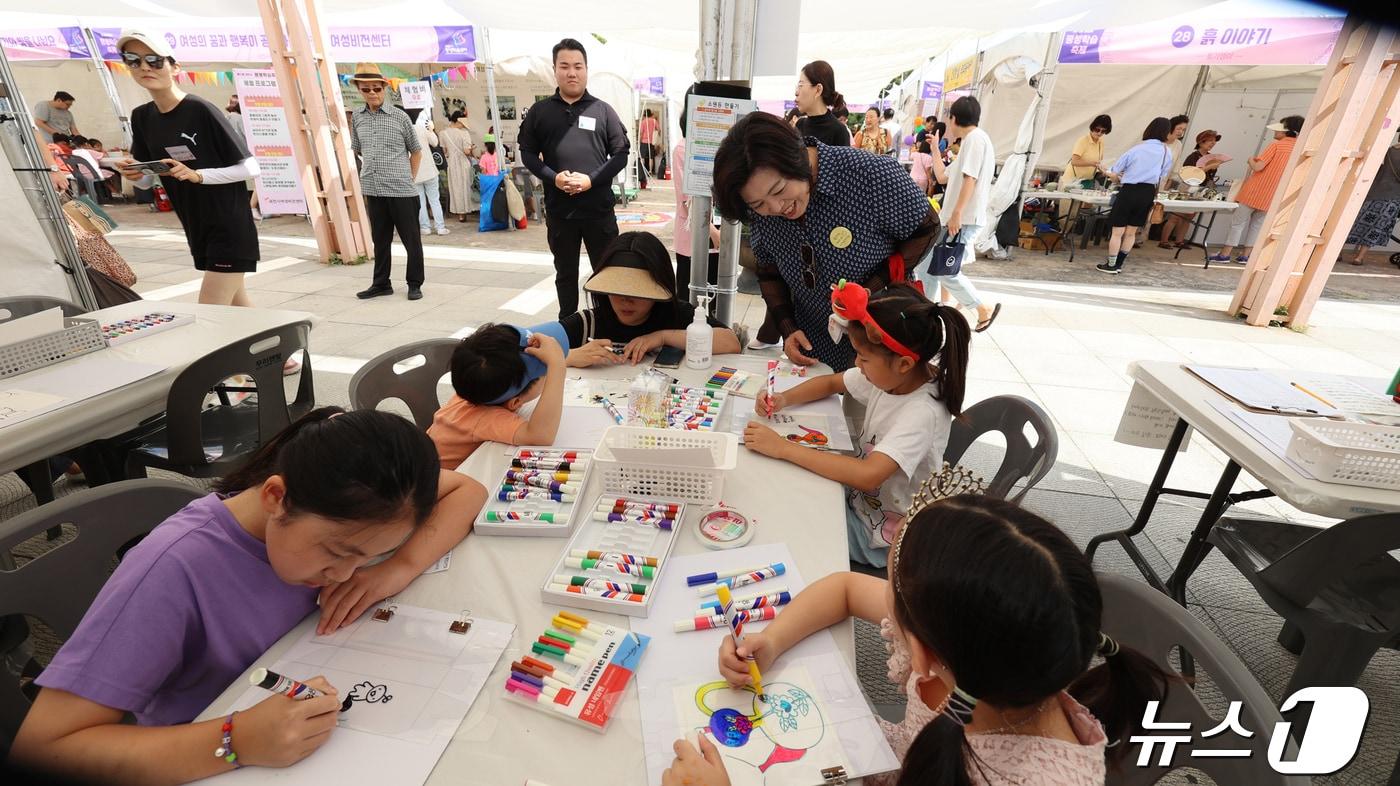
(180, 153)
(587, 123)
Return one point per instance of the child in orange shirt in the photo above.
(496, 371)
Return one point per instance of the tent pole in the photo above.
(1045, 88)
(1197, 89)
(109, 85)
(727, 30)
(32, 171)
(493, 111)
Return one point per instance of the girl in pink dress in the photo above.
(991, 615)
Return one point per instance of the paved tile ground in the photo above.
(1064, 339)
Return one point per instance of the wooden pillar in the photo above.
(320, 134)
(1345, 135)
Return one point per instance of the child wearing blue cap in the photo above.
(496, 371)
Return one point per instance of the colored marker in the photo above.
(570, 622)
(524, 691)
(522, 475)
(711, 578)
(598, 593)
(555, 652)
(650, 521)
(612, 410)
(651, 507)
(772, 380)
(731, 615)
(710, 621)
(524, 484)
(584, 581)
(743, 580)
(526, 515)
(779, 597)
(628, 503)
(550, 465)
(616, 556)
(644, 571)
(268, 679)
(546, 453)
(510, 493)
(582, 651)
(537, 673)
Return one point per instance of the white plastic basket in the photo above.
(666, 476)
(1354, 454)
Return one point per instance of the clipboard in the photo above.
(1260, 391)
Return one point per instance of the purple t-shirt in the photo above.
(188, 610)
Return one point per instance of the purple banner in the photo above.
(456, 44)
(1204, 41)
(932, 91)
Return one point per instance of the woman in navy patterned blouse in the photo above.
(817, 214)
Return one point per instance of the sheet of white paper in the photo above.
(1258, 389)
(679, 662)
(73, 381)
(411, 681)
(1347, 395)
(582, 426)
(1147, 422)
(791, 424)
(17, 405)
(838, 432)
(25, 328)
(1271, 431)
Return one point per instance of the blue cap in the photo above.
(534, 367)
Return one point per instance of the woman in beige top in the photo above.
(992, 614)
(871, 137)
(1087, 158)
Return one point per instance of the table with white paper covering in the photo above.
(116, 411)
(502, 743)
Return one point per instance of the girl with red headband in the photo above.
(910, 373)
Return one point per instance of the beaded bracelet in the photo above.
(225, 749)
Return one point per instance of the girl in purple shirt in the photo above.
(216, 584)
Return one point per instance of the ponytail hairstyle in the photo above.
(819, 72)
(934, 331)
(967, 559)
(361, 466)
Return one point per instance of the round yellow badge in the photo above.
(840, 237)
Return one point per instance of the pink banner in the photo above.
(223, 44)
(1203, 41)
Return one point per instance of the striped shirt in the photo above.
(1258, 189)
(385, 139)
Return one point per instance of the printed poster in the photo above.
(270, 141)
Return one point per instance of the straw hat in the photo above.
(626, 275)
(369, 72)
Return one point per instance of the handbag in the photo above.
(86, 214)
(109, 291)
(1159, 213)
(439, 157)
(947, 256)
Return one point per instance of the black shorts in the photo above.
(226, 245)
(1133, 205)
(226, 265)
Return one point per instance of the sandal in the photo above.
(986, 323)
(1167, 246)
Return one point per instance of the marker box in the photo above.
(554, 481)
(650, 527)
(584, 690)
(694, 409)
(118, 333)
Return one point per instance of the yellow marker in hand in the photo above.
(726, 602)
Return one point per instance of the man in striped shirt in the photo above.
(383, 137)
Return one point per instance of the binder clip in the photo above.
(463, 623)
(385, 612)
(833, 776)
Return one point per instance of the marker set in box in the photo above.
(616, 556)
(694, 409)
(118, 333)
(577, 669)
(537, 494)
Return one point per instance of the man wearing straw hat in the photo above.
(383, 137)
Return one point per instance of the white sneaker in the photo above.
(424, 231)
(442, 230)
(754, 343)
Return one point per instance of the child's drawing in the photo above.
(803, 428)
(778, 738)
(368, 693)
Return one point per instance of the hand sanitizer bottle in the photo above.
(699, 338)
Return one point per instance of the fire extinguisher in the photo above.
(162, 200)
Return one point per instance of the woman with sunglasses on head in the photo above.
(817, 214)
(910, 375)
(208, 166)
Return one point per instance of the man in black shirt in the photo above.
(576, 144)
